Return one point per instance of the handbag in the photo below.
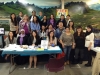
(60, 55)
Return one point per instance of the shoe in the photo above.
(80, 62)
(88, 65)
(65, 63)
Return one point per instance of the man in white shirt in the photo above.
(68, 19)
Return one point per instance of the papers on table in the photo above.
(14, 47)
(54, 48)
(96, 49)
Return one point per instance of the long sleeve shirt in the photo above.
(35, 26)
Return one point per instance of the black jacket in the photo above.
(25, 38)
(30, 40)
(63, 21)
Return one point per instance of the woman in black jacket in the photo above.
(79, 37)
(21, 40)
(33, 40)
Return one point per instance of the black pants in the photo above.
(90, 53)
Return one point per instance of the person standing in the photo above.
(71, 26)
(32, 16)
(67, 41)
(13, 24)
(89, 43)
(62, 19)
(52, 21)
(68, 19)
(19, 17)
(58, 33)
(40, 16)
(24, 24)
(79, 37)
(34, 25)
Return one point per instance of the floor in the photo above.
(21, 70)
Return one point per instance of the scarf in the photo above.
(21, 38)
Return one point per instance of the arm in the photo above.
(6, 41)
(91, 36)
(32, 26)
(61, 37)
(55, 41)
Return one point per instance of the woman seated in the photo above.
(33, 40)
(22, 40)
(52, 39)
(10, 40)
(43, 34)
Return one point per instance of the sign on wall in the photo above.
(61, 12)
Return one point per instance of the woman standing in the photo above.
(24, 24)
(79, 37)
(13, 24)
(71, 26)
(67, 41)
(44, 21)
(89, 43)
(52, 39)
(34, 25)
(33, 40)
(52, 21)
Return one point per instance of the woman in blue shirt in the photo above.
(34, 25)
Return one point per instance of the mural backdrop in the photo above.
(85, 12)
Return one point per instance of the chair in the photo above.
(55, 65)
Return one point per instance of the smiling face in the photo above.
(67, 30)
(51, 34)
(20, 14)
(88, 29)
(13, 16)
(79, 30)
(71, 24)
(34, 34)
(10, 34)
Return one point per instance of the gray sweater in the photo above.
(67, 39)
(8, 42)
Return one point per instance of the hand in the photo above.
(33, 44)
(16, 32)
(6, 57)
(73, 46)
(63, 45)
(89, 48)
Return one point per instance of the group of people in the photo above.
(33, 29)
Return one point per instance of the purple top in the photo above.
(26, 29)
(52, 21)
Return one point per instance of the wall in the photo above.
(83, 13)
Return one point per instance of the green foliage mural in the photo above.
(80, 12)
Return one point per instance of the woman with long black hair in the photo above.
(89, 43)
(10, 40)
(13, 24)
(79, 37)
(33, 40)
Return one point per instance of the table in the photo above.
(30, 51)
(96, 63)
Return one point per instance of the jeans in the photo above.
(67, 50)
